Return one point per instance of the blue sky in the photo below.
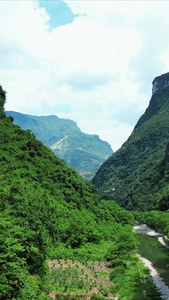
(59, 12)
(89, 61)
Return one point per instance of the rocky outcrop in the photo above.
(160, 82)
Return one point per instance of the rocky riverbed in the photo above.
(159, 283)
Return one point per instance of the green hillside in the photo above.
(53, 229)
(152, 192)
(83, 152)
(127, 175)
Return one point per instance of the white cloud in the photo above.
(99, 67)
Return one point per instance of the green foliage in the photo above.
(47, 210)
(2, 98)
(68, 279)
(158, 220)
(136, 176)
(121, 250)
(133, 281)
(97, 297)
(16, 282)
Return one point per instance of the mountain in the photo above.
(57, 239)
(134, 175)
(83, 152)
(47, 210)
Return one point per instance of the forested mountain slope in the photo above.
(152, 192)
(81, 151)
(48, 211)
(126, 176)
(45, 207)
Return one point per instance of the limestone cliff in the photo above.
(135, 175)
(160, 82)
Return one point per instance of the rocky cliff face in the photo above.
(128, 176)
(160, 82)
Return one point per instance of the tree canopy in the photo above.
(2, 98)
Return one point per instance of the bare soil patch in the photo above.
(96, 276)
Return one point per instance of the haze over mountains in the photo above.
(136, 175)
(81, 151)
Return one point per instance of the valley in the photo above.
(65, 237)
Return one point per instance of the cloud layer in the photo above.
(96, 70)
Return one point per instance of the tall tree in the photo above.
(2, 98)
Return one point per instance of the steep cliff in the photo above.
(126, 176)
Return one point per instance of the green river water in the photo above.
(151, 249)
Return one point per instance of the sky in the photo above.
(89, 61)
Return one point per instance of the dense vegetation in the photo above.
(49, 212)
(83, 152)
(2, 98)
(136, 176)
(158, 220)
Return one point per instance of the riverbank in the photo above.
(158, 282)
(162, 241)
(143, 228)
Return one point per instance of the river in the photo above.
(155, 256)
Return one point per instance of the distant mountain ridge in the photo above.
(135, 176)
(81, 151)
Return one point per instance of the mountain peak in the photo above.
(160, 82)
(136, 176)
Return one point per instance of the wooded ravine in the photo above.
(59, 237)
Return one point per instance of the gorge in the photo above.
(55, 226)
